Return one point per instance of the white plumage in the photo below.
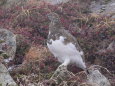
(66, 53)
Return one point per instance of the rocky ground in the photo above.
(23, 34)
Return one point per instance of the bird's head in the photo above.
(53, 17)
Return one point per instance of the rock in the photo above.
(54, 2)
(95, 76)
(7, 43)
(105, 7)
(5, 78)
(2, 2)
(111, 46)
(9, 3)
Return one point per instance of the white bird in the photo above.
(63, 45)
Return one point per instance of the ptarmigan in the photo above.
(63, 45)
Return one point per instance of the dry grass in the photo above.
(36, 53)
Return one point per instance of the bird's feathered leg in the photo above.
(62, 68)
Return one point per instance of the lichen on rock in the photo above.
(8, 44)
(5, 78)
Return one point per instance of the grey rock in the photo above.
(10, 3)
(7, 43)
(5, 78)
(95, 76)
(54, 2)
(103, 6)
(2, 2)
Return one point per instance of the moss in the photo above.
(5, 55)
(1, 41)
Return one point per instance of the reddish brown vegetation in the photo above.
(94, 33)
